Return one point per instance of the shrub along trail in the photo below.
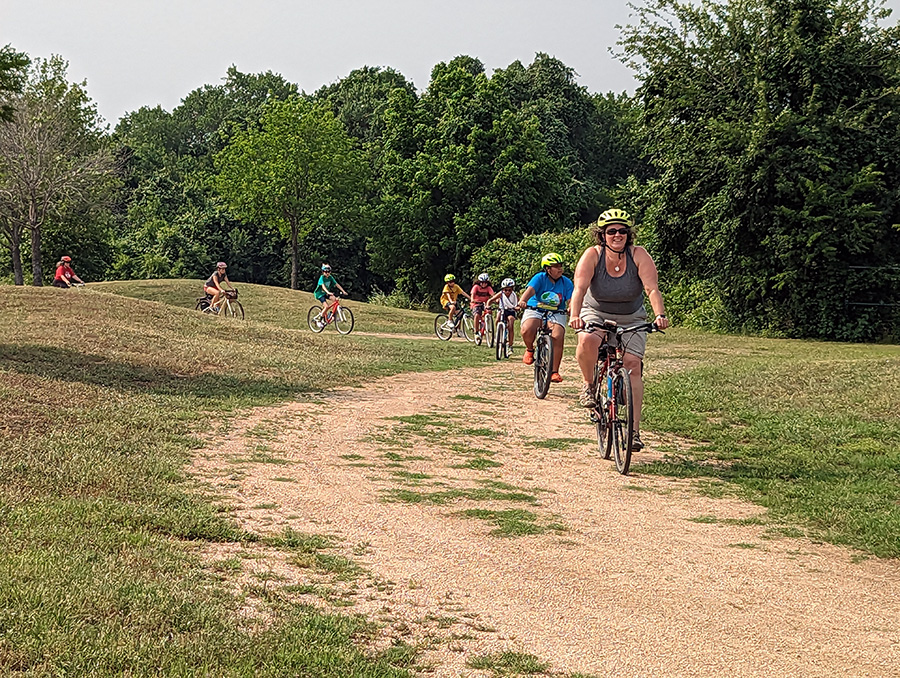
(471, 519)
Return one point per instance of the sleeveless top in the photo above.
(622, 295)
(213, 279)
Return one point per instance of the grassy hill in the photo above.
(275, 305)
(105, 390)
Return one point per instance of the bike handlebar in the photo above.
(609, 326)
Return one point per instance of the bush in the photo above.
(397, 299)
(521, 260)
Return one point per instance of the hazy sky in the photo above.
(137, 53)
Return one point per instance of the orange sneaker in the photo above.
(555, 378)
(528, 357)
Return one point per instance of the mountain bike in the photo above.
(502, 347)
(484, 329)
(341, 316)
(227, 305)
(613, 414)
(543, 355)
(462, 322)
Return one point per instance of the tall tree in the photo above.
(53, 159)
(13, 67)
(295, 170)
(773, 128)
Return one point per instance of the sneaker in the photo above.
(320, 324)
(509, 351)
(555, 378)
(447, 326)
(586, 397)
(636, 444)
(478, 340)
(528, 357)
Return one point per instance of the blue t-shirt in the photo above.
(542, 283)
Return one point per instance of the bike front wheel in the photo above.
(622, 406)
(311, 319)
(233, 309)
(543, 366)
(600, 414)
(443, 328)
(500, 338)
(489, 329)
(468, 328)
(343, 320)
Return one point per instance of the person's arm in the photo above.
(584, 272)
(463, 292)
(526, 295)
(76, 278)
(228, 282)
(494, 297)
(650, 278)
(338, 285)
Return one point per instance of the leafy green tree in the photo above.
(13, 67)
(295, 170)
(772, 129)
(53, 159)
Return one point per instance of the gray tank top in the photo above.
(622, 295)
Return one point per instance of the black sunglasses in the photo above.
(620, 231)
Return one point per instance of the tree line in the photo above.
(760, 154)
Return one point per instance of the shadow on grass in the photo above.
(95, 370)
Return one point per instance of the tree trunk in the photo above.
(295, 257)
(15, 252)
(37, 278)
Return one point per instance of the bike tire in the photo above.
(468, 328)
(343, 321)
(500, 345)
(489, 329)
(622, 404)
(600, 414)
(237, 311)
(543, 366)
(440, 330)
(202, 305)
(311, 319)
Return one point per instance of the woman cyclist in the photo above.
(610, 281)
(65, 275)
(480, 294)
(507, 299)
(214, 285)
(549, 289)
(449, 295)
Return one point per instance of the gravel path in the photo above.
(631, 576)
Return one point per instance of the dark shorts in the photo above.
(508, 313)
(477, 308)
(60, 283)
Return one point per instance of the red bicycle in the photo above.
(484, 329)
(334, 313)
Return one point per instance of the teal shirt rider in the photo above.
(330, 284)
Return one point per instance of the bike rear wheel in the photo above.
(311, 316)
(622, 406)
(543, 365)
(343, 321)
(441, 327)
(600, 414)
(500, 346)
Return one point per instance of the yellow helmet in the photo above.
(550, 259)
(615, 216)
(449, 277)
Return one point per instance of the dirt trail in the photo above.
(634, 585)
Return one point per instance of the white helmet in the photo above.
(484, 277)
(508, 282)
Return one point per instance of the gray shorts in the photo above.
(635, 342)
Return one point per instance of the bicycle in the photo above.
(485, 327)
(228, 305)
(502, 347)
(543, 355)
(462, 322)
(613, 412)
(341, 316)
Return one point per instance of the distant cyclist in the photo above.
(325, 288)
(610, 282)
(549, 289)
(65, 275)
(449, 295)
(481, 293)
(215, 285)
(507, 299)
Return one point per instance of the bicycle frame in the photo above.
(330, 312)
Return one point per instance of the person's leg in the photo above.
(633, 364)
(586, 354)
(529, 331)
(558, 337)
(510, 326)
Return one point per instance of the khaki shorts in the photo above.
(557, 318)
(635, 342)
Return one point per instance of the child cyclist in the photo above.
(508, 300)
(449, 295)
(481, 293)
(325, 291)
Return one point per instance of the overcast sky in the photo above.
(137, 53)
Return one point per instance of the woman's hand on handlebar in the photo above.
(576, 323)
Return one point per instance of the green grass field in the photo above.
(104, 390)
